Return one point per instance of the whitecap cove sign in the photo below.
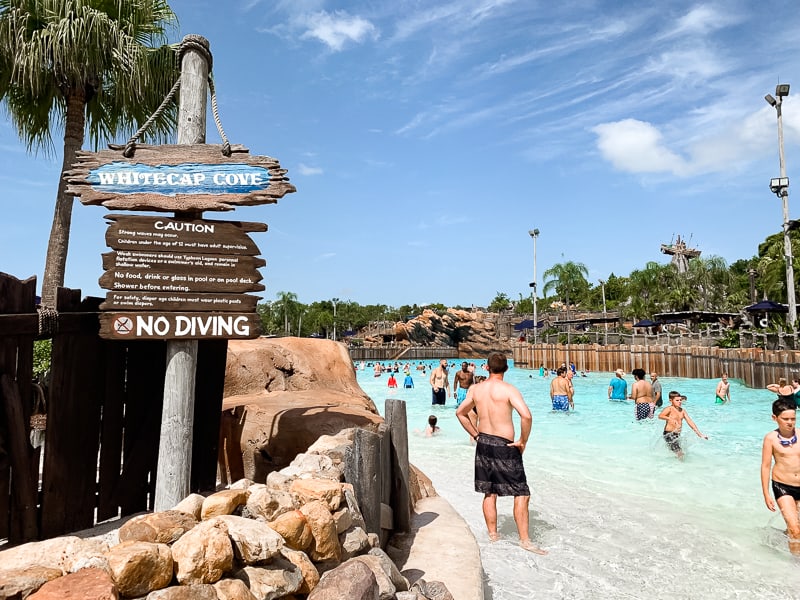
(177, 178)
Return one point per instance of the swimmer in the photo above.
(675, 415)
(618, 387)
(642, 395)
(723, 390)
(561, 391)
(781, 447)
(432, 428)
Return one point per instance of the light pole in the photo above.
(780, 187)
(605, 323)
(334, 301)
(534, 233)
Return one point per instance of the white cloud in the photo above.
(326, 256)
(337, 29)
(703, 19)
(637, 147)
(304, 169)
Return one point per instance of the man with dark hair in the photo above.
(462, 381)
(498, 458)
(440, 384)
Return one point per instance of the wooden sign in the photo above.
(183, 326)
(167, 301)
(147, 280)
(184, 262)
(132, 232)
(179, 178)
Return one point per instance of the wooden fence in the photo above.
(756, 367)
(100, 453)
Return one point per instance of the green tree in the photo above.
(82, 66)
(500, 303)
(567, 280)
(289, 309)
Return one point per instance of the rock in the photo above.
(140, 567)
(306, 465)
(388, 566)
(351, 580)
(161, 527)
(352, 506)
(326, 542)
(432, 590)
(18, 583)
(385, 586)
(88, 584)
(333, 446)
(267, 504)
(307, 569)
(89, 555)
(343, 519)
(198, 591)
(253, 541)
(203, 554)
(242, 484)
(48, 553)
(280, 395)
(330, 492)
(233, 589)
(294, 528)
(420, 485)
(191, 505)
(274, 580)
(224, 502)
(354, 541)
(409, 596)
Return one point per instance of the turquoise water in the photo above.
(620, 516)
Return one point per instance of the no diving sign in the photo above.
(187, 326)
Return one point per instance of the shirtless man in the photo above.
(642, 395)
(723, 390)
(561, 391)
(498, 460)
(781, 447)
(462, 380)
(439, 383)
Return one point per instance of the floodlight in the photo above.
(770, 99)
(778, 184)
(782, 90)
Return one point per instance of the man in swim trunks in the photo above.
(499, 470)
(723, 390)
(781, 447)
(439, 383)
(654, 381)
(642, 395)
(462, 380)
(561, 391)
(618, 388)
(675, 415)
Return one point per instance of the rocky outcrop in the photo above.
(281, 394)
(314, 546)
(469, 333)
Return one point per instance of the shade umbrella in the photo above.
(646, 323)
(524, 324)
(767, 306)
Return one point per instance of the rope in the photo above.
(48, 320)
(130, 147)
(226, 146)
(199, 44)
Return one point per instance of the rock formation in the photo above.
(281, 394)
(469, 333)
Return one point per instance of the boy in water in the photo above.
(674, 415)
(781, 447)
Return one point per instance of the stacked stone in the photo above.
(299, 535)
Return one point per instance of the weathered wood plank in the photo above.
(179, 178)
(179, 326)
(111, 430)
(211, 361)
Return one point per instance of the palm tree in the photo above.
(566, 280)
(288, 305)
(84, 66)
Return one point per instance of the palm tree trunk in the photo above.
(56, 261)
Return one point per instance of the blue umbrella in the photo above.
(767, 306)
(525, 324)
(646, 323)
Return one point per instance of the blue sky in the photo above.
(426, 138)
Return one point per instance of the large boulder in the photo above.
(281, 394)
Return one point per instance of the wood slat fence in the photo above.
(756, 367)
(99, 458)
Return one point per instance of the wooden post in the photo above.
(362, 470)
(395, 412)
(173, 479)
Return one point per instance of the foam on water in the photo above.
(620, 516)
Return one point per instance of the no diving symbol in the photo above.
(123, 325)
